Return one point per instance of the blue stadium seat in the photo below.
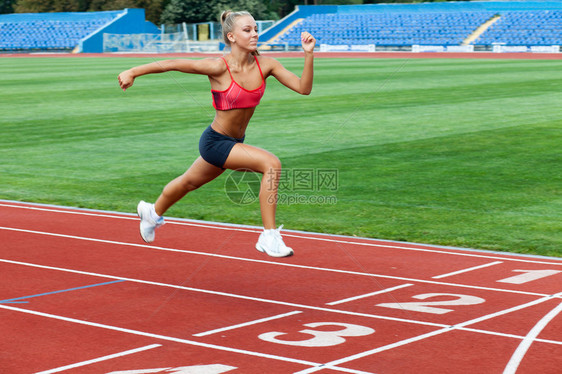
(49, 31)
(426, 28)
(525, 28)
(389, 29)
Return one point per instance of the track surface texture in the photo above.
(82, 293)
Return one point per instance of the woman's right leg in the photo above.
(244, 156)
(198, 174)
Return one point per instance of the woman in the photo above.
(237, 85)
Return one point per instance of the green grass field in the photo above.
(444, 151)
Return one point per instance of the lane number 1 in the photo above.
(528, 276)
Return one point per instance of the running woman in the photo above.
(237, 84)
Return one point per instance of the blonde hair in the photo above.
(228, 19)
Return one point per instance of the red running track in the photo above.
(81, 293)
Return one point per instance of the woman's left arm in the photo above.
(302, 85)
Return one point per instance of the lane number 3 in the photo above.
(320, 338)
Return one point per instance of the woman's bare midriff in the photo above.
(232, 122)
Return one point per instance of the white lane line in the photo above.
(283, 264)
(226, 294)
(75, 211)
(506, 311)
(134, 217)
(519, 337)
(333, 364)
(370, 294)
(243, 228)
(521, 350)
(100, 359)
(467, 270)
(250, 323)
(460, 326)
(309, 307)
(160, 337)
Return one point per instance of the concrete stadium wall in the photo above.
(131, 21)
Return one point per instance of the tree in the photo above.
(190, 11)
(194, 11)
(40, 6)
(7, 6)
(284, 7)
(256, 7)
(157, 11)
(152, 8)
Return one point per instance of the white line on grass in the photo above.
(100, 359)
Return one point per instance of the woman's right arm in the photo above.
(208, 66)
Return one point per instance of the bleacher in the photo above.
(480, 25)
(77, 31)
(525, 28)
(49, 31)
(394, 29)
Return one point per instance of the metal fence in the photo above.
(178, 38)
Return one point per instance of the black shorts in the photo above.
(215, 147)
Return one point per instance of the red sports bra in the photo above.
(236, 96)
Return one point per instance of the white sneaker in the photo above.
(271, 242)
(149, 221)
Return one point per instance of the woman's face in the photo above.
(245, 33)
